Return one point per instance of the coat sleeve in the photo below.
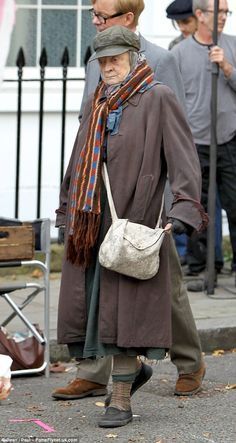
(79, 141)
(91, 82)
(85, 94)
(61, 211)
(182, 164)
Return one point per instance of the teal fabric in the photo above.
(93, 347)
(126, 377)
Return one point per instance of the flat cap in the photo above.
(180, 9)
(114, 41)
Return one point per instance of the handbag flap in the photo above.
(141, 236)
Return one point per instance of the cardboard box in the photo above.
(16, 243)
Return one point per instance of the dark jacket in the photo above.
(153, 136)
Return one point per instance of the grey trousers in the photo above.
(185, 353)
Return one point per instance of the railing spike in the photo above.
(43, 60)
(65, 60)
(20, 60)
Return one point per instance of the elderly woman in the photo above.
(136, 126)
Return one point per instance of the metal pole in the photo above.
(20, 63)
(43, 64)
(64, 63)
(210, 283)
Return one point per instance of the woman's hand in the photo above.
(176, 226)
(168, 228)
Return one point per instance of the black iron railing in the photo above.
(20, 62)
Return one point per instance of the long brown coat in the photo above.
(153, 137)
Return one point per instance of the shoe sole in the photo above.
(188, 394)
(115, 423)
(92, 393)
(149, 375)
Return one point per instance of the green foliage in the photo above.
(227, 249)
(56, 257)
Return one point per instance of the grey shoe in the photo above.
(141, 378)
(196, 286)
(114, 418)
(199, 285)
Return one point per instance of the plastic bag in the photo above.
(5, 376)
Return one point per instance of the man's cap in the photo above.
(114, 41)
(180, 9)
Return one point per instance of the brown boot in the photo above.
(79, 388)
(189, 384)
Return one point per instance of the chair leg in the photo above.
(23, 304)
(24, 319)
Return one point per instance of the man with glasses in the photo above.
(93, 375)
(103, 19)
(195, 56)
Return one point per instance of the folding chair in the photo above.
(41, 242)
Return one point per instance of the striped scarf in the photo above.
(85, 207)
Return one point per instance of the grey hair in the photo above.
(133, 58)
(200, 4)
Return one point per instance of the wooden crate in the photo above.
(16, 243)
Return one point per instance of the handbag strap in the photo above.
(109, 194)
(111, 202)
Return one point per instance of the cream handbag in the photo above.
(130, 248)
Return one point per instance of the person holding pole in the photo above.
(195, 56)
(181, 14)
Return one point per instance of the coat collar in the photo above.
(142, 44)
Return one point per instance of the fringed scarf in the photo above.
(85, 205)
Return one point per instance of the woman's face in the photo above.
(114, 69)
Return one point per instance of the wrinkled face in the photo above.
(114, 69)
(222, 17)
(187, 26)
(103, 9)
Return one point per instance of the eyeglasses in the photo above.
(101, 17)
(221, 12)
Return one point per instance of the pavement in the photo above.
(31, 415)
(215, 315)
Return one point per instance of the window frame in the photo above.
(79, 7)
